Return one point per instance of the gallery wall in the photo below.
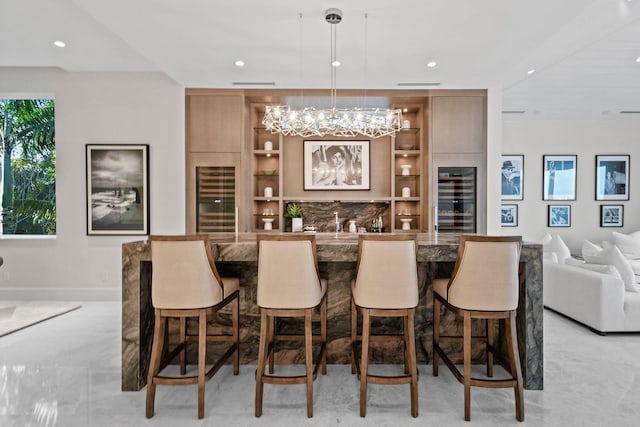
(533, 139)
(95, 108)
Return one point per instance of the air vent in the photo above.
(513, 111)
(254, 83)
(629, 112)
(418, 84)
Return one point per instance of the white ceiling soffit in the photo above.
(583, 51)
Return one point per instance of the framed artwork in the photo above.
(612, 177)
(611, 215)
(559, 177)
(559, 216)
(336, 165)
(509, 217)
(117, 189)
(512, 177)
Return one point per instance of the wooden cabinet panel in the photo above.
(458, 124)
(214, 123)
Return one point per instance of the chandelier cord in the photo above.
(333, 64)
(300, 59)
(366, 65)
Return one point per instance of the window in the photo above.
(27, 166)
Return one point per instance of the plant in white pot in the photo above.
(295, 213)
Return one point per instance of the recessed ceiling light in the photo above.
(335, 64)
(59, 43)
(431, 64)
(638, 59)
(531, 71)
(239, 63)
(405, 110)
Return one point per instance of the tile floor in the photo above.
(66, 372)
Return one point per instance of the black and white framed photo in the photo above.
(559, 177)
(559, 216)
(512, 177)
(336, 165)
(612, 177)
(611, 215)
(117, 189)
(509, 215)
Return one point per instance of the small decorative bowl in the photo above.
(405, 146)
(268, 171)
(310, 229)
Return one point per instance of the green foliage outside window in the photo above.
(28, 166)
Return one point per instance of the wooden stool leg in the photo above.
(236, 334)
(323, 334)
(490, 335)
(272, 342)
(183, 339)
(156, 356)
(202, 355)
(514, 362)
(436, 334)
(467, 365)
(308, 355)
(411, 355)
(354, 335)
(405, 326)
(364, 361)
(262, 359)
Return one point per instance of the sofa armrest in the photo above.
(592, 298)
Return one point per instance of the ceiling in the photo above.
(583, 51)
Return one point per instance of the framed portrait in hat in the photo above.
(512, 177)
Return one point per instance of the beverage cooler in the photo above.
(457, 192)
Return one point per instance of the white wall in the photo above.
(126, 108)
(586, 139)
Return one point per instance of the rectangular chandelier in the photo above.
(308, 122)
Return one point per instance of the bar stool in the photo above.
(484, 285)
(185, 283)
(289, 285)
(386, 285)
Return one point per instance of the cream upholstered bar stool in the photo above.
(289, 285)
(484, 285)
(386, 285)
(185, 283)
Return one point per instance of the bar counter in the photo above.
(337, 254)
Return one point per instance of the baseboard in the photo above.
(61, 294)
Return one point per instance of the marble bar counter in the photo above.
(337, 261)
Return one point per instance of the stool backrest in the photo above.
(288, 271)
(184, 273)
(387, 271)
(485, 276)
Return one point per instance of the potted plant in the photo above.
(295, 213)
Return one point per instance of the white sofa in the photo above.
(595, 299)
(602, 293)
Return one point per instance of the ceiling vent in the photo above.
(409, 84)
(630, 112)
(254, 83)
(513, 111)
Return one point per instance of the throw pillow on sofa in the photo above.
(613, 256)
(555, 244)
(590, 249)
(629, 245)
